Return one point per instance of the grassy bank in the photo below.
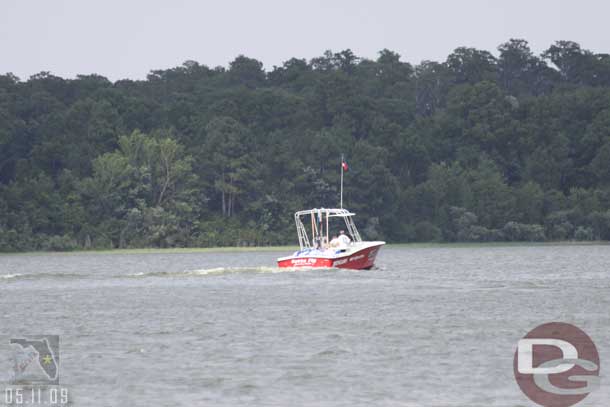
(179, 250)
(498, 244)
(160, 250)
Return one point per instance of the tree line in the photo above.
(481, 147)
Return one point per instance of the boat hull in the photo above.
(357, 259)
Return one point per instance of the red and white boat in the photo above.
(318, 252)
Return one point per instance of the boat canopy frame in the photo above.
(319, 225)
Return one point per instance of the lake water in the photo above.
(435, 326)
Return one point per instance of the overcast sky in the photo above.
(127, 39)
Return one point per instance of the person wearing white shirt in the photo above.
(334, 242)
(344, 240)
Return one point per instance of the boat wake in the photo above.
(40, 276)
(211, 271)
(10, 276)
(215, 271)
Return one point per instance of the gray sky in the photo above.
(126, 39)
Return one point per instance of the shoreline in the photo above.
(234, 249)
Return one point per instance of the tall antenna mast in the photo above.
(341, 204)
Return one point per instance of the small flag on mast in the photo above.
(344, 166)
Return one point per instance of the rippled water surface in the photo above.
(433, 326)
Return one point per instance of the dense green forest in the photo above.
(476, 148)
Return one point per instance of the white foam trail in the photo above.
(9, 276)
(227, 270)
(205, 272)
(259, 269)
(213, 271)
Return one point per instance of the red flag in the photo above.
(344, 166)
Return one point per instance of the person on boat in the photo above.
(344, 239)
(334, 242)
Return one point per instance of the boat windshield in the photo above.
(314, 226)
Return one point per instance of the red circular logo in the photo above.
(556, 364)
